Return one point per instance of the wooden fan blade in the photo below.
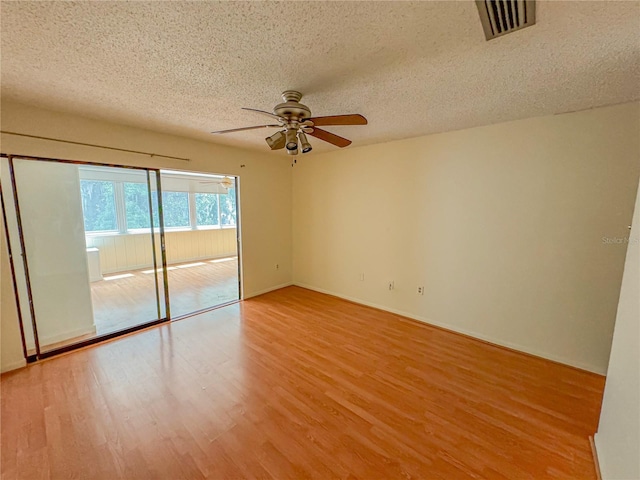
(245, 128)
(330, 137)
(260, 111)
(354, 119)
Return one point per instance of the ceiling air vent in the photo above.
(499, 17)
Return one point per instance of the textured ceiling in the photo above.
(411, 68)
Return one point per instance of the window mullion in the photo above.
(192, 211)
(219, 216)
(121, 214)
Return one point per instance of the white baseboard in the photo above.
(13, 365)
(266, 290)
(469, 333)
(594, 452)
(66, 335)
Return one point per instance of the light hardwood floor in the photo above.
(295, 384)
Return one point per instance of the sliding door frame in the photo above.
(236, 181)
(83, 343)
(163, 253)
(25, 264)
(13, 276)
(236, 186)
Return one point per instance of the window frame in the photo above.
(121, 213)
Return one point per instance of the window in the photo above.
(228, 207)
(175, 207)
(215, 209)
(122, 206)
(207, 209)
(136, 203)
(98, 205)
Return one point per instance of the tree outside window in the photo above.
(98, 205)
(207, 209)
(228, 208)
(175, 208)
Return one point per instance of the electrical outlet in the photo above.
(392, 285)
(277, 267)
(420, 290)
(362, 277)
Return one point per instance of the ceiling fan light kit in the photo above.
(277, 140)
(304, 143)
(296, 122)
(292, 141)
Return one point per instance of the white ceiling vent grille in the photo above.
(499, 17)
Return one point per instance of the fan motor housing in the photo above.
(292, 110)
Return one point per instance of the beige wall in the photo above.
(503, 225)
(618, 437)
(119, 253)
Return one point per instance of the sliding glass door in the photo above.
(200, 220)
(90, 250)
(126, 279)
(101, 250)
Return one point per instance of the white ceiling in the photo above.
(411, 68)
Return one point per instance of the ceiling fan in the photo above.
(225, 182)
(295, 122)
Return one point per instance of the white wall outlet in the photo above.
(361, 277)
(392, 285)
(420, 290)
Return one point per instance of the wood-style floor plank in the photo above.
(293, 385)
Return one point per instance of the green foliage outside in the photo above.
(228, 207)
(206, 209)
(136, 201)
(175, 206)
(98, 205)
